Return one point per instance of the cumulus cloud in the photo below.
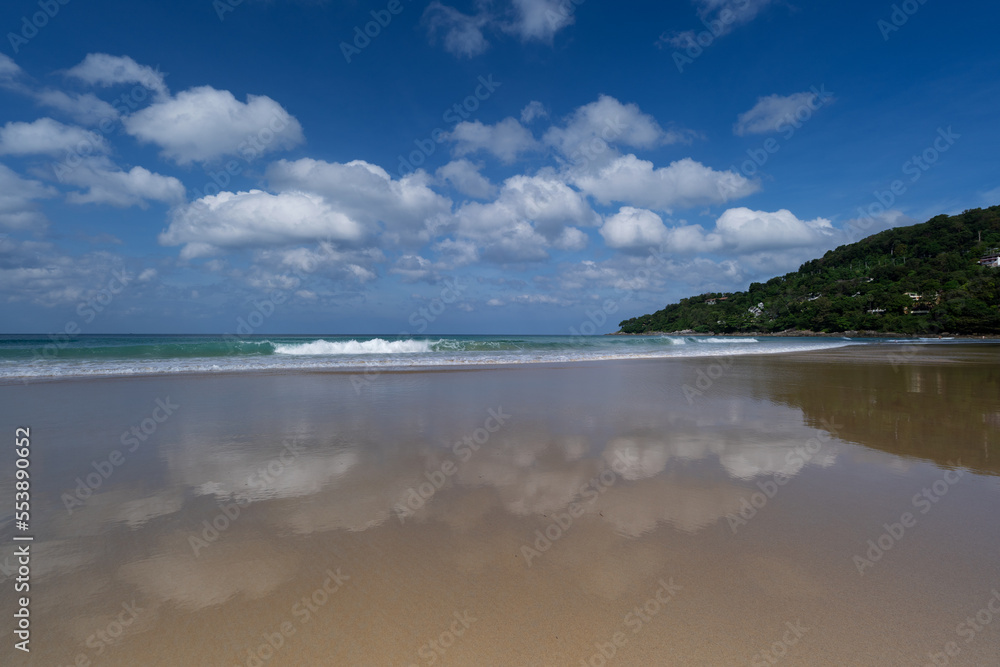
(856, 229)
(633, 227)
(35, 272)
(530, 214)
(506, 139)
(682, 184)
(462, 33)
(720, 16)
(255, 219)
(406, 209)
(105, 183)
(204, 124)
(18, 210)
(464, 176)
(84, 108)
(47, 137)
(534, 109)
(772, 112)
(540, 20)
(608, 120)
(102, 69)
(744, 232)
(9, 70)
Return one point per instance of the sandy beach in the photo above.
(820, 508)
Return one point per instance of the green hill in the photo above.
(922, 279)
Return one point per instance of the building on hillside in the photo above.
(992, 260)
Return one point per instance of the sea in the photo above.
(42, 356)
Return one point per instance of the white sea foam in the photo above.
(409, 354)
(373, 346)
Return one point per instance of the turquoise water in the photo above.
(45, 356)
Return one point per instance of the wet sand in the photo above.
(682, 511)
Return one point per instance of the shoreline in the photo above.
(366, 374)
(799, 333)
(564, 491)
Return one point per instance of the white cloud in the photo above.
(746, 231)
(9, 70)
(721, 16)
(772, 112)
(108, 184)
(463, 34)
(48, 137)
(540, 20)
(531, 214)
(464, 176)
(320, 258)
(106, 70)
(506, 140)
(530, 20)
(34, 272)
(203, 124)
(534, 109)
(632, 228)
(84, 108)
(407, 207)
(608, 120)
(742, 231)
(682, 184)
(17, 208)
(255, 219)
(456, 252)
(413, 268)
(859, 228)
(572, 239)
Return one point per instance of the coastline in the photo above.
(800, 333)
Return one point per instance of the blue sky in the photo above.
(506, 166)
